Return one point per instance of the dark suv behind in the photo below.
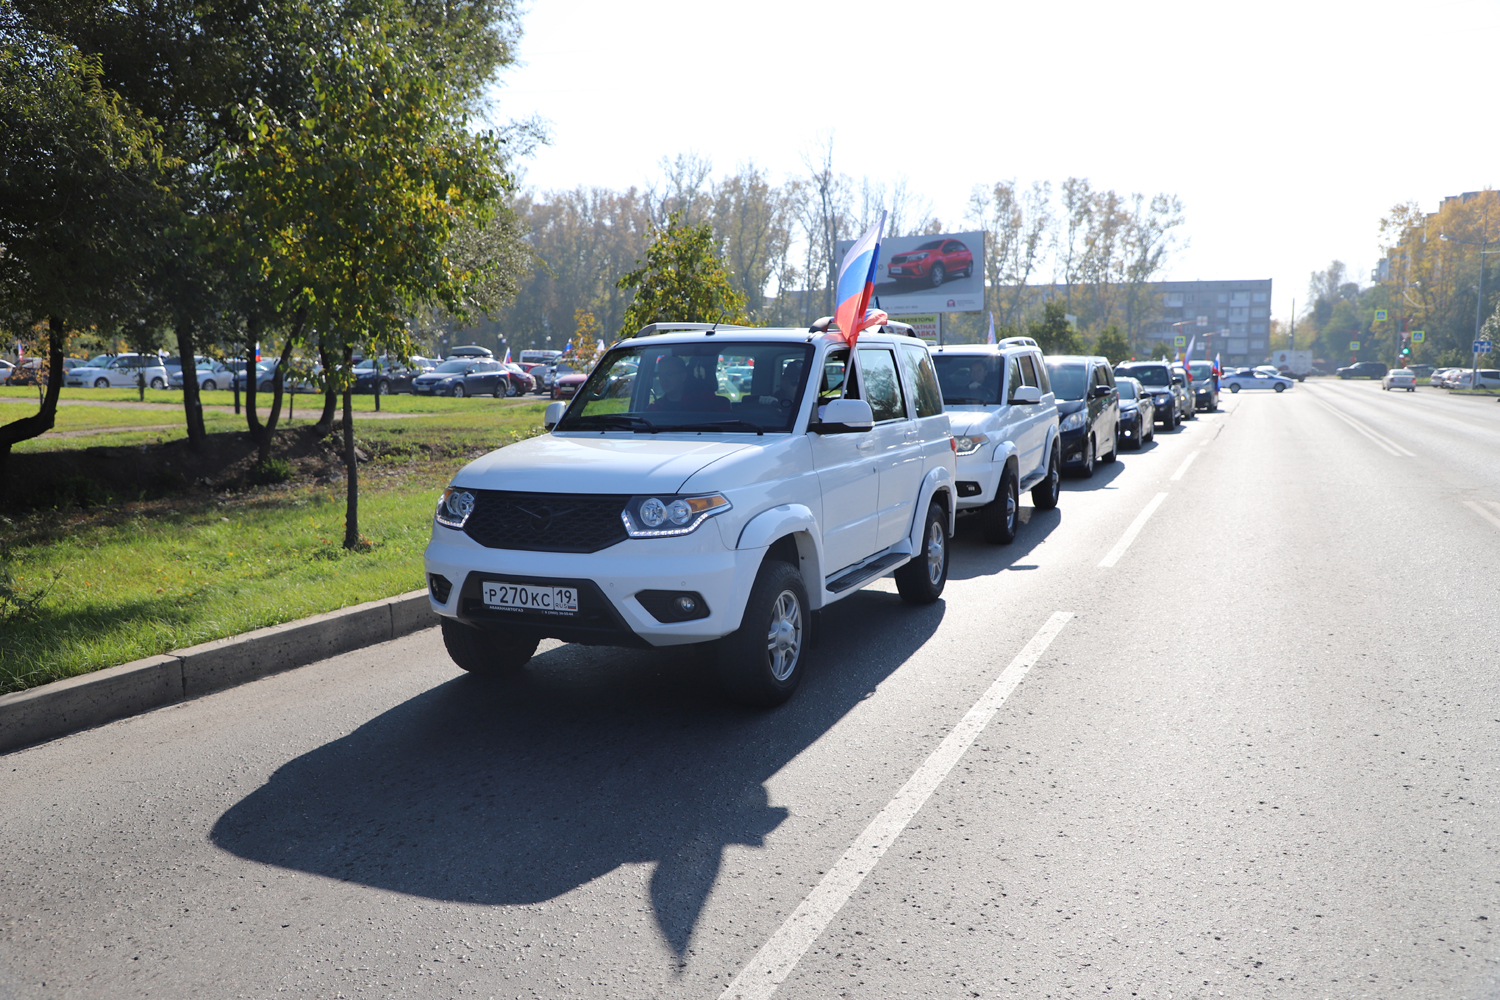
(1088, 410)
(1363, 369)
(1169, 394)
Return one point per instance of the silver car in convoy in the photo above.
(1249, 378)
(125, 371)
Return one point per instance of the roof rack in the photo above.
(822, 324)
(656, 329)
(1019, 342)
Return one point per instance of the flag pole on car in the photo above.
(855, 285)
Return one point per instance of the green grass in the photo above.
(138, 579)
(309, 403)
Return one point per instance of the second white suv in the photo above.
(671, 504)
(1004, 419)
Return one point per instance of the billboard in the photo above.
(928, 274)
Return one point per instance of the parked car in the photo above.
(540, 379)
(676, 516)
(932, 263)
(447, 379)
(566, 379)
(211, 375)
(1466, 378)
(1205, 385)
(1088, 410)
(473, 351)
(1137, 412)
(491, 378)
(1399, 378)
(1362, 369)
(1170, 398)
(1439, 377)
(1000, 404)
(122, 372)
(520, 378)
(391, 376)
(1249, 378)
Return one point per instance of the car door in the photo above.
(848, 482)
(1031, 420)
(897, 447)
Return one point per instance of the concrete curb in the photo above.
(77, 703)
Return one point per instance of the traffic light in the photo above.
(1405, 352)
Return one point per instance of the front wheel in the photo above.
(1045, 493)
(383, 388)
(458, 391)
(939, 273)
(1234, 387)
(760, 663)
(101, 383)
(1090, 458)
(997, 519)
(486, 654)
(1114, 446)
(1280, 387)
(511, 389)
(209, 386)
(921, 580)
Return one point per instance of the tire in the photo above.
(1114, 447)
(1280, 387)
(938, 276)
(1214, 406)
(458, 391)
(921, 580)
(209, 386)
(1045, 493)
(1090, 460)
(500, 390)
(1140, 434)
(969, 271)
(1149, 434)
(383, 387)
(486, 654)
(999, 517)
(1234, 387)
(101, 383)
(157, 383)
(760, 663)
(510, 388)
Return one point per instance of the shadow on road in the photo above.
(1105, 474)
(972, 556)
(518, 791)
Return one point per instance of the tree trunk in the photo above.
(330, 397)
(192, 403)
(41, 422)
(351, 464)
(277, 382)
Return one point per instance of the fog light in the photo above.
(685, 605)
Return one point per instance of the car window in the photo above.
(1069, 379)
(1012, 378)
(882, 387)
(969, 379)
(924, 380)
(1028, 371)
(1149, 374)
(834, 370)
(1127, 391)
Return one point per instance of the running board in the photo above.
(866, 573)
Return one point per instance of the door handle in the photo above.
(865, 445)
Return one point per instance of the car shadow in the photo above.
(971, 556)
(1105, 473)
(518, 791)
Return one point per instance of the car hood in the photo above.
(83, 371)
(1067, 406)
(552, 463)
(964, 419)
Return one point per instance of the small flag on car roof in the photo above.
(856, 282)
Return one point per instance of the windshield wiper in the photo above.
(716, 425)
(627, 421)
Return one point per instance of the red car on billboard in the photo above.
(932, 263)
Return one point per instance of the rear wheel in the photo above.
(998, 518)
(921, 580)
(501, 390)
(760, 663)
(486, 654)
(157, 383)
(383, 388)
(1045, 493)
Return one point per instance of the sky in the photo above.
(1288, 129)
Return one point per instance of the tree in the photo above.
(77, 202)
(585, 339)
(1054, 334)
(351, 206)
(1113, 345)
(683, 279)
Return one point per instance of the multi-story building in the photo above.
(1229, 318)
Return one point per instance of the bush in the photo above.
(272, 470)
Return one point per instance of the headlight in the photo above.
(1162, 399)
(968, 444)
(662, 517)
(1074, 421)
(454, 507)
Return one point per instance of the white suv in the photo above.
(672, 504)
(1004, 420)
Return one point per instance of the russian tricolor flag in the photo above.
(856, 282)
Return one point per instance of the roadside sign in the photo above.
(1353, 345)
(1380, 315)
(1179, 341)
(1482, 347)
(1417, 336)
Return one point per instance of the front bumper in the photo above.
(978, 479)
(608, 580)
(1074, 446)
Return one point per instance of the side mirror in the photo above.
(1177, 380)
(1026, 394)
(1100, 391)
(553, 413)
(843, 416)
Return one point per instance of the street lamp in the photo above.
(1479, 299)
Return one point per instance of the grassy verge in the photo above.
(126, 580)
(306, 403)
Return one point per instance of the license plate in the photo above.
(522, 597)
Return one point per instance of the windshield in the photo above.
(1069, 379)
(448, 367)
(1202, 370)
(1148, 374)
(646, 388)
(1127, 389)
(969, 379)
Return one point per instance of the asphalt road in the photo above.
(1257, 755)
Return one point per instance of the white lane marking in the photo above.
(1184, 466)
(1384, 442)
(1134, 529)
(1478, 509)
(780, 955)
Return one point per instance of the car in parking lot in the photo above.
(1362, 369)
(1249, 378)
(1467, 378)
(675, 516)
(1137, 412)
(447, 379)
(388, 375)
(932, 263)
(211, 375)
(1170, 398)
(1399, 378)
(1088, 410)
(566, 379)
(125, 371)
(1000, 404)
